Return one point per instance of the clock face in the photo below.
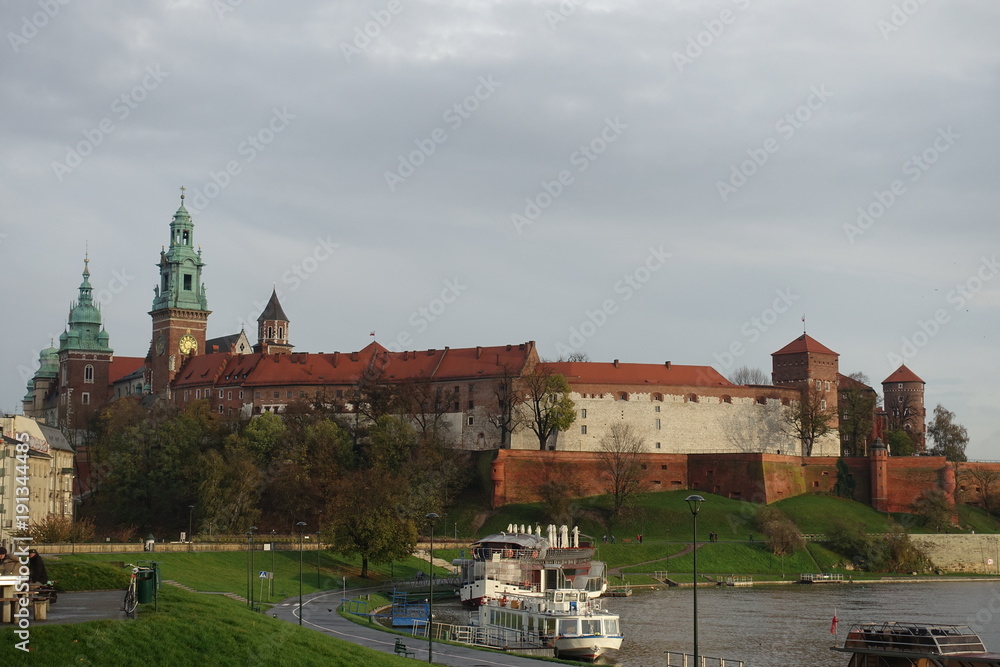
(188, 345)
(161, 344)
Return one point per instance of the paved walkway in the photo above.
(76, 607)
(319, 612)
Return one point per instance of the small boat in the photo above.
(523, 563)
(895, 644)
(567, 620)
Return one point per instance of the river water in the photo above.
(789, 625)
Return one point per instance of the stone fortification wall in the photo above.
(962, 553)
(691, 420)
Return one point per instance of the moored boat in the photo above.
(568, 620)
(897, 644)
(522, 563)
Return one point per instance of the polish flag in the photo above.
(833, 623)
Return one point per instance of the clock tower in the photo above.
(180, 310)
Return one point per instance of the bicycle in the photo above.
(131, 593)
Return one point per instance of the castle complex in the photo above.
(683, 413)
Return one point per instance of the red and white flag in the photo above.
(833, 623)
(372, 333)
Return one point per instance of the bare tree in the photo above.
(746, 375)
(808, 420)
(506, 417)
(903, 412)
(619, 455)
(426, 403)
(986, 485)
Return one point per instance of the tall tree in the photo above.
(619, 454)
(745, 375)
(808, 420)
(933, 509)
(545, 395)
(903, 414)
(366, 519)
(857, 414)
(950, 438)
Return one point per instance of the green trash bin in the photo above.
(145, 581)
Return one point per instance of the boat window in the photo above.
(591, 626)
(611, 626)
(569, 626)
(558, 597)
(547, 626)
(583, 597)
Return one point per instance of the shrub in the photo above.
(781, 533)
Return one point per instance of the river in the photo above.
(789, 625)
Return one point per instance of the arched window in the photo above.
(88, 374)
(270, 332)
(281, 333)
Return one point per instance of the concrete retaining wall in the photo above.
(962, 553)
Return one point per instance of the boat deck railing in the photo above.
(675, 659)
(810, 577)
(475, 635)
(913, 638)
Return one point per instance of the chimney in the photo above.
(430, 352)
(616, 363)
(667, 364)
(215, 348)
(508, 348)
(354, 356)
(479, 351)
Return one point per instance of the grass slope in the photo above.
(190, 628)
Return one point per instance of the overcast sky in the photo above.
(648, 181)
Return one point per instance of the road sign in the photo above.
(264, 574)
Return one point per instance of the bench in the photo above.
(39, 603)
(401, 649)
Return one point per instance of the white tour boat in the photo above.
(523, 563)
(568, 620)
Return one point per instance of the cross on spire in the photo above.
(182, 193)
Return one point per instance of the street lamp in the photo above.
(430, 608)
(250, 571)
(318, 543)
(301, 526)
(190, 520)
(694, 503)
(270, 583)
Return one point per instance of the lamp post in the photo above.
(430, 608)
(250, 541)
(694, 503)
(318, 543)
(270, 583)
(190, 521)
(301, 526)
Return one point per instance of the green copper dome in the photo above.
(180, 268)
(84, 331)
(48, 363)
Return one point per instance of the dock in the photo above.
(618, 592)
(822, 578)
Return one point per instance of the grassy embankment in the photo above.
(189, 627)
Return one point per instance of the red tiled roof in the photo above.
(804, 343)
(845, 381)
(200, 369)
(589, 372)
(903, 374)
(122, 366)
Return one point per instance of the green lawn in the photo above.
(226, 571)
(190, 628)
(817, 513)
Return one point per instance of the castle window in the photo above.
(657, 424)
(281, 333)
(899, 386)
(642, 466)
(657, 397)
(727, 399)
(221, 393)
(220, 408)
(692, 398)
(472, 404)
(241, 393)
(256, 394)
(583, 430)
(187, 282)
(657, 445)
(583, 413)
(288, 394)
(822, 404)
(85, 398)
(270, 332)
(275, 394)
(826, 385)
(88, 374)
(186, 236)
(472, 420)
(230, 396)
(623, 396)
(663, 467)
(656, 408)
